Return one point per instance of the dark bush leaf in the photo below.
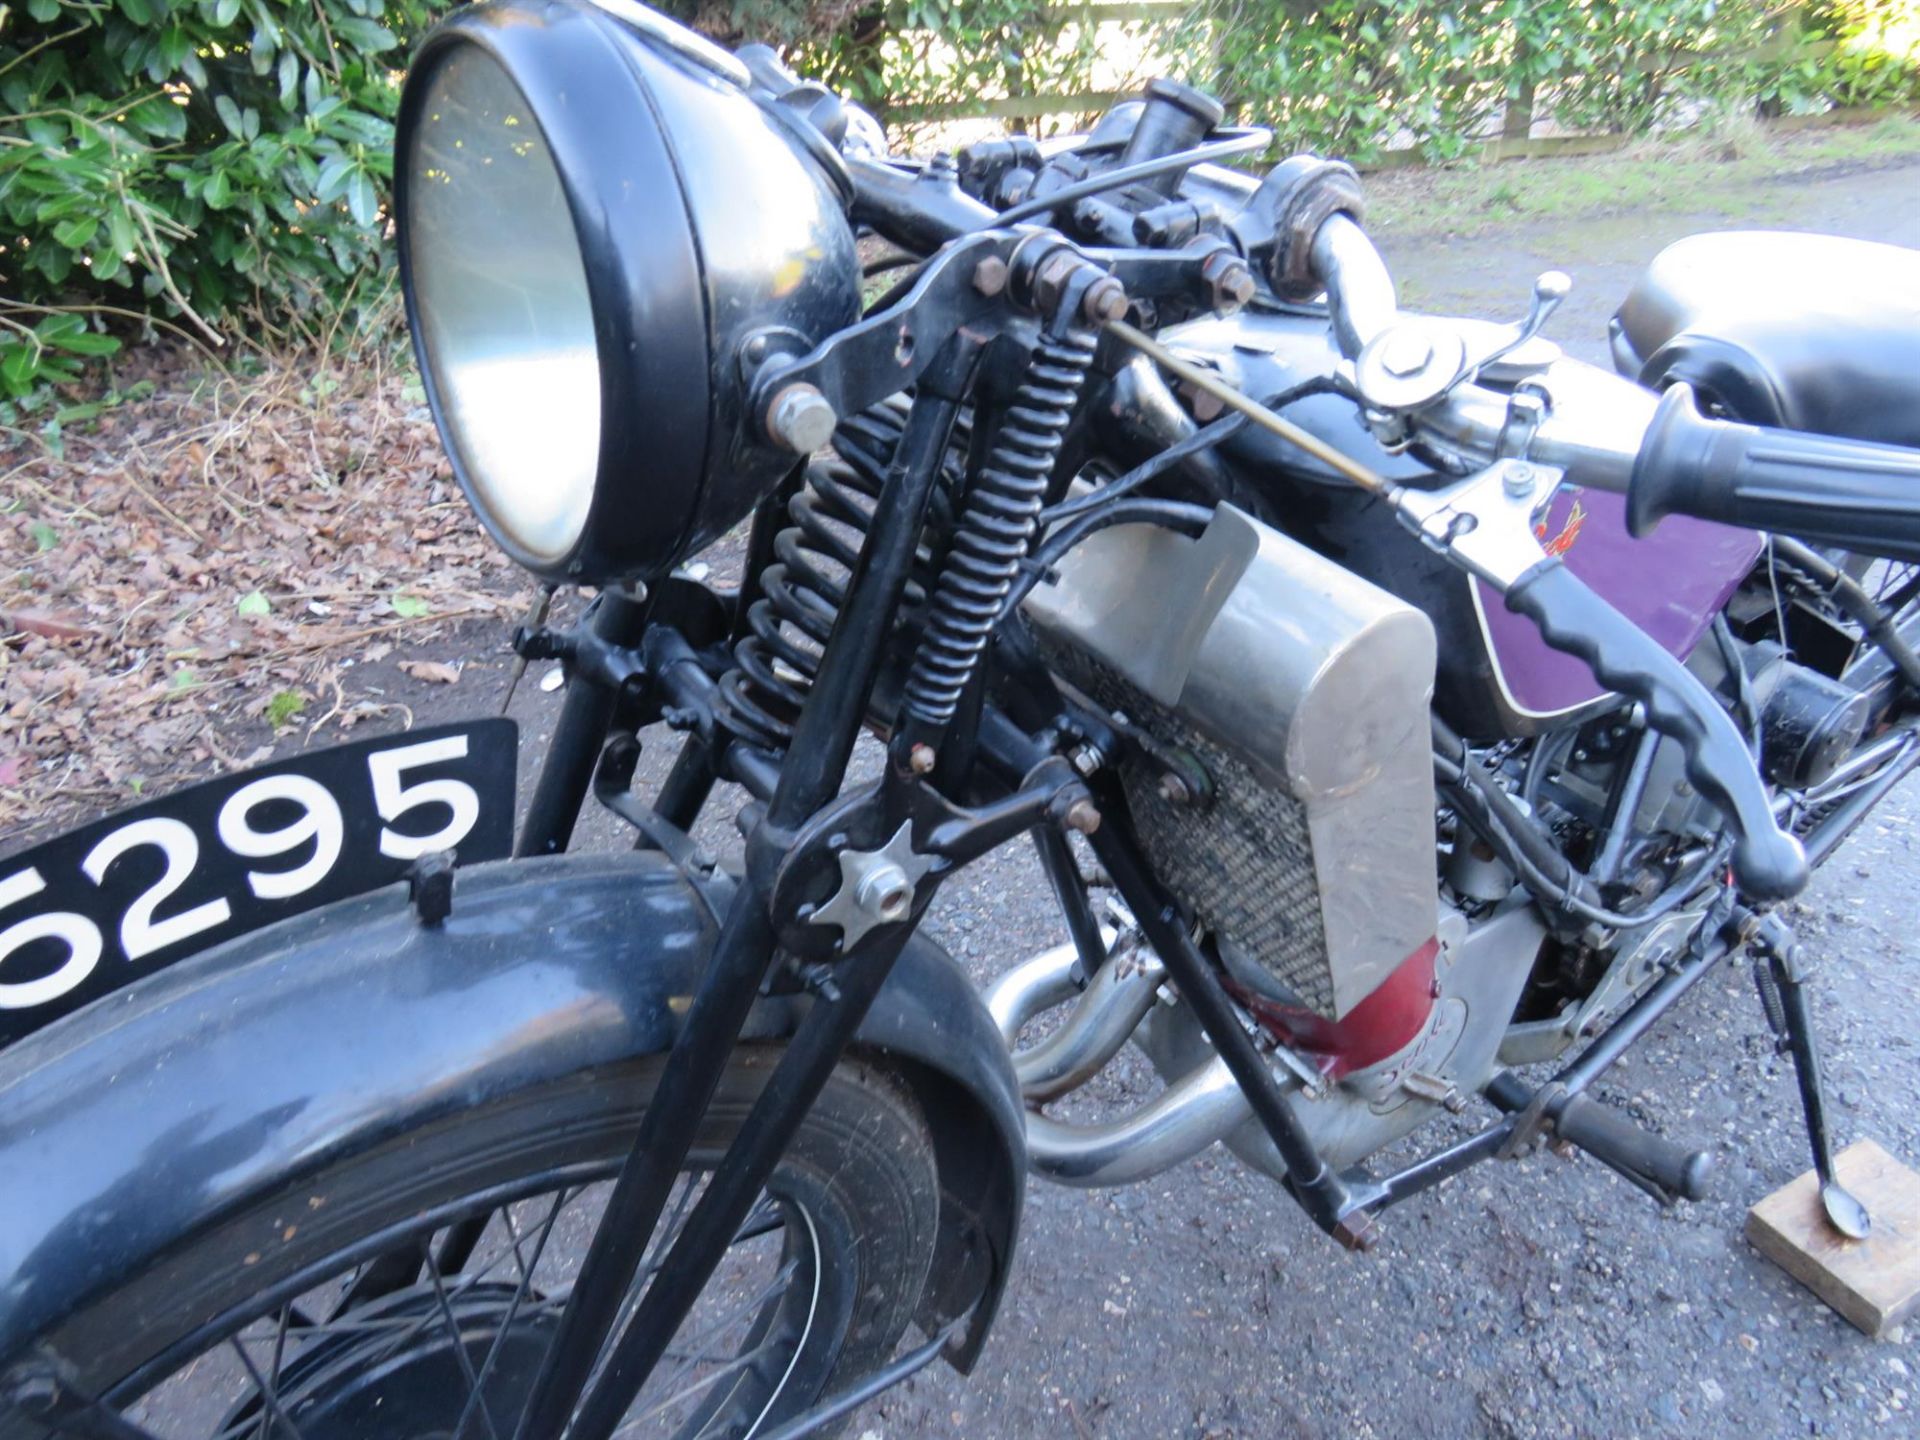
(362, 200)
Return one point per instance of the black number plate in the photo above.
(104, 905)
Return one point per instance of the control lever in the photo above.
(1418, 361)
(1485, 524)
(1549, 289)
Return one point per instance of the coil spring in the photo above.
(803, 589)
(996, 526)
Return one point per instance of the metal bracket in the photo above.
(951, 835)
(1526, 408)
(1485, 522)
(1532, 1122)
(888, 352)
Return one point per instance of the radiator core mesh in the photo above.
(1244, 863)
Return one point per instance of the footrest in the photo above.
(1633, 1150)
(1656, 1165)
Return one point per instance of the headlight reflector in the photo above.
(505, 320)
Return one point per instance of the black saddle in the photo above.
(1806, 332)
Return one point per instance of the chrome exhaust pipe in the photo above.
(1105, 1016)
(1189, 1115)
(1192, 1113)
(1031, 988)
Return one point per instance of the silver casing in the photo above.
(1303, 692)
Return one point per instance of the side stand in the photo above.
(1781, 979)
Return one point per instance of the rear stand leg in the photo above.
(1781, 978)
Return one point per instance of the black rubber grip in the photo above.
(1613, 1139)
(1850, 493)
(1768, 862)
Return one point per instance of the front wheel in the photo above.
(409, 1293)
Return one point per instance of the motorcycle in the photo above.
(1404, 715)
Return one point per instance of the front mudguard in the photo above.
(153, 1112)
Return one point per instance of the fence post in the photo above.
(1517, 122)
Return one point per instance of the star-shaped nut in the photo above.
(876, 887)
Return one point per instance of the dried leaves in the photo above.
(206, 565)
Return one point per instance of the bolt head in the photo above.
(922, 759)
(1518, 481)
(801, 419)
(990, 276)
(1405, 353)
(1083, 816)
(1175, 790)
(1234, 290)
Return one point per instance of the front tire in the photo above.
(293, 1316)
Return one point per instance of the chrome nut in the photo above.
(885, 893)
(801, 419)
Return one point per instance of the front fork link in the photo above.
(742, 953)
(1781, 977)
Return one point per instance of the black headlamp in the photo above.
(599, 224)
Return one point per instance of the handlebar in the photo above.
(1851, 493)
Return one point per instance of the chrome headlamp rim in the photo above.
(643, 272)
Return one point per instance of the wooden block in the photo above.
(1874, 1283)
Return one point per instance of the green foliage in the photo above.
(224, 163)
(1360, 76)
(935, 52)
(194, 158)
(48, 353)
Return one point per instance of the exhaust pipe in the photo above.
(1105, 1016)
(1189, 1115)
(1192, 1113)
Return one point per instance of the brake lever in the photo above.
(1484, 524)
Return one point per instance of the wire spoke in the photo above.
(513, 1239)
(459, 1344)
(513, 1306)
(649, 1264)
(781, 1279)
(279, 1352)
(269, 1397)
